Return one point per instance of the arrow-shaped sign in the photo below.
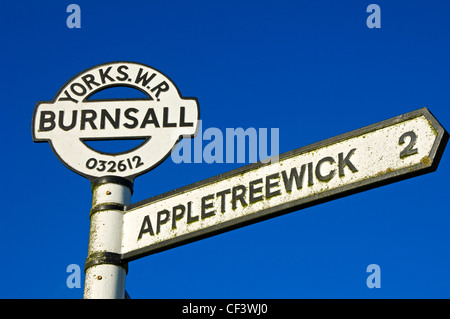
(399, 148)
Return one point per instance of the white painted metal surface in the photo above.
(106, 281)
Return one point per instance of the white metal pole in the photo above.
(104, 272)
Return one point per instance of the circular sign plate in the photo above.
(73, 117)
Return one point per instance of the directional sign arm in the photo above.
(399, 148)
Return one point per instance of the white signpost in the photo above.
(74, 116)
(402, 147)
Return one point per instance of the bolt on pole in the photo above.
(104, 272)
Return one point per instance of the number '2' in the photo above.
(409, 150)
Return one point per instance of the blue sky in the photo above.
(313, 69)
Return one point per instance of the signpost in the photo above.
(74, 116)
(402, 147)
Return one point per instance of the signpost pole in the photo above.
(105, 273)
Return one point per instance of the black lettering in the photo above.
(89, 79)
(190, 218)
(72, 124)
(150, 118)
(182, 118)
(67, 97)
(253, 190)
(346, 162)
(319, 175)
(128, 116)
(293, 176)
(160, 221)
(205, 206)
(125, 75)
(166, 118)
(222, 199)
(241, 196)
(270, 185)
(104, 75)
(85, 119)
(143, 78)
(161, 87)
(178, 216)
(80, 86)
(47, 117)
(105, 115)
(138, 161)
(310, 174)
(146, 227)
(408, 150)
